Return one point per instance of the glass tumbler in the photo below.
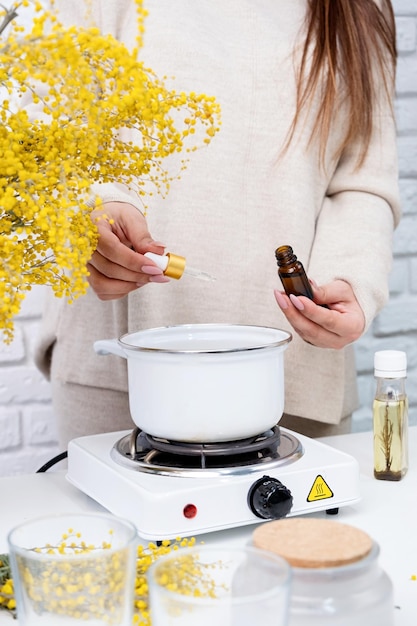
(221, 586)
(69, 569)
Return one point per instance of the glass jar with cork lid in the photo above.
(336, 576)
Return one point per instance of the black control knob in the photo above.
(268, 498)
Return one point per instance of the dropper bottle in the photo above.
(292, 274)
(174, 266)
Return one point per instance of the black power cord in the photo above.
(56, 459)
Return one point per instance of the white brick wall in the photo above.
(396, 326)
(27, 433)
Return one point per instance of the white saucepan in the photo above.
(203, 382)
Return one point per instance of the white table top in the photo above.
(387, 511)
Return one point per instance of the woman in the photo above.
(305, 157)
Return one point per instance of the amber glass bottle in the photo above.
(292, 273)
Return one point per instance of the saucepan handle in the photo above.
(109, 346)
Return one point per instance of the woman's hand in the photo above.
(333, 327)
(118, 266)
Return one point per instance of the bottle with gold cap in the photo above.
(174, 266)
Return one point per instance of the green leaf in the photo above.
(5, 569)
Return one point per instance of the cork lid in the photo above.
(313, 543)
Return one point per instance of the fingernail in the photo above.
(296, 302)
(152, 270)
(159, 279)
(159, 244)
(282, 303)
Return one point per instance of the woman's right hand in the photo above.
(118, 266)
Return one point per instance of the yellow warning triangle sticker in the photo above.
(320, 490)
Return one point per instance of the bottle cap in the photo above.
(176, 266)
(172, 265)
(390, 364)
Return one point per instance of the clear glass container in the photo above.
(357, 594)
(390, 416)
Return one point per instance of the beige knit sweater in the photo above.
(239, 199)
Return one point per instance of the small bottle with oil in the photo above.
(292, 273)
(390, 415)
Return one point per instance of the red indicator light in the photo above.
(190, 511)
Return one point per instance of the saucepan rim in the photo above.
(161, 350)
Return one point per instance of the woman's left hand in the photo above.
(334, 327)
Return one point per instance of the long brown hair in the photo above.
(349, 51)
